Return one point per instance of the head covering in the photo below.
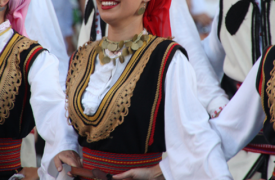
(157, 19)
(17, 14)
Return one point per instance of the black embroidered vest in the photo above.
(132, 112)
(16, 119)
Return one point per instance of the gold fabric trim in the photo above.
(117, 101)
(156, 98)
(263, 83)
(270, 90)
(11, 75)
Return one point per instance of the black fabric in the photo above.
(220, 19)
(130, 136)
(255, 32)
(236, 15)
(266, 35)
(5, 175)
(20, 122)
(267, 66)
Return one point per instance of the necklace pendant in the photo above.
(112, 47)
(121, 59)
(106, 60)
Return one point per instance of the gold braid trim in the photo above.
(115, 109)
(11, 76)
(270, 91)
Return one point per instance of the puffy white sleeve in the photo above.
(242, 118)
(48, 105)
(185, 32)
(214, 49)
(42, 26)
(193, 148)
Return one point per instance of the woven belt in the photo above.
(114, 163)
(10, 154)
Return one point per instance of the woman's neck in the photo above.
(2, 17)
(125, 31)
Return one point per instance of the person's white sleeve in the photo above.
(214, 49)
(242, 118)
(42, 26)
(193, 148)
(48, 105)
(210, 94)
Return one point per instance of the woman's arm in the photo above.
(48, 105)
(193, 148)
(242, 118)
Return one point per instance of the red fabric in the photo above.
(27, 85)
(116, 163)
(10, 154)
(157, 19)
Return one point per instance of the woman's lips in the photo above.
(105, 5)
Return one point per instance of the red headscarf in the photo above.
(157, 19)
(17, 15)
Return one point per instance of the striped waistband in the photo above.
(261, 148)
(10, 154)
(114, 163)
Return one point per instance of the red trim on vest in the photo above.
(261, 80)
(10, 154)
(115, 163)
(27, 84)
(151, 140)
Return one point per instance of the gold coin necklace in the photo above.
(130, 46)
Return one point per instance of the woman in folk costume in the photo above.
(133, 95)
(28, 74)
(184, 31)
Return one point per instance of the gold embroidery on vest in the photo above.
(117, 101)
(11, 75)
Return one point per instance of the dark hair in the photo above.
(7, 11)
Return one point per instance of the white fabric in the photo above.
(185, 32)
(205, 6)
(85, 31)
(5, 25)
(187, 128)
(17, 177)
(242, 118)
(27, 152)
(42, 25)
(48, 104)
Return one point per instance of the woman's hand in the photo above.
(153, 173)
(68, 157)
(29, 173)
